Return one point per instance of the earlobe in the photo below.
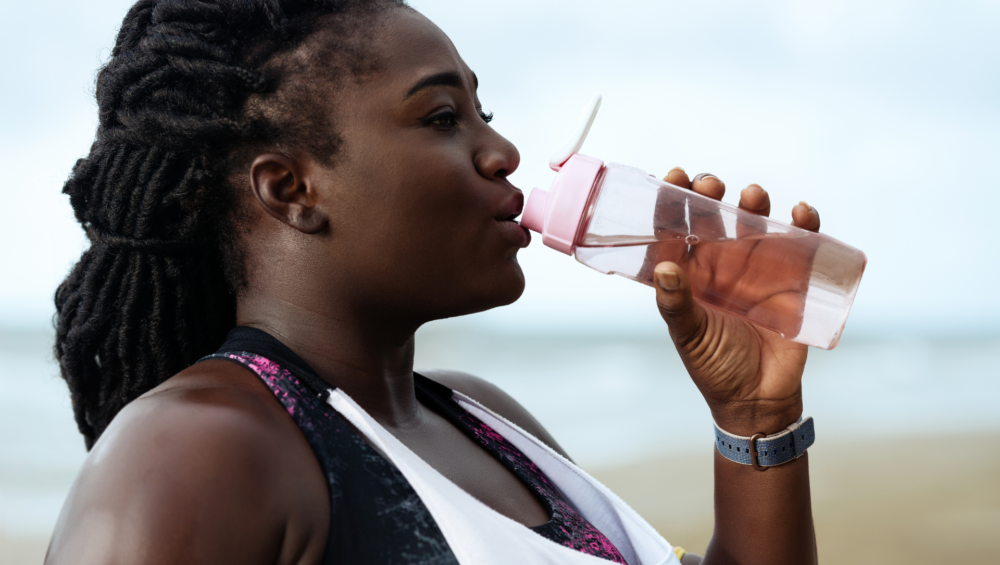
(283, 189)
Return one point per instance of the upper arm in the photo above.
(498, 401)
(174, 481)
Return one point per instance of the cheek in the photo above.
(430, 213)
(454, 263)
(422, 232)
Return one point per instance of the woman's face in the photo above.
(420, 209)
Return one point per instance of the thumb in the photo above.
(684, 316)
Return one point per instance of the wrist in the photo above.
(746, 418)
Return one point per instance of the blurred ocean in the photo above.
(608, 399)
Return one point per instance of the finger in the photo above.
(678, 177)
(755, 200)
(709, 185)
(670, 215)
(805, 216)
(706, 219)
(684, 316)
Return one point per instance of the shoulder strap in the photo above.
(258, 342)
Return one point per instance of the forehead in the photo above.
(411, 47)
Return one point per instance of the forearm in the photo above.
(751, 378)
(762, 517)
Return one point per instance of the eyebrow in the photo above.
(449, 78)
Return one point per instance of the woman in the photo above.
(321, 177)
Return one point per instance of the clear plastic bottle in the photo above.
(620, 220)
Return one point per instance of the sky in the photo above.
(884, 115)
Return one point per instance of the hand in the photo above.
(750, 376)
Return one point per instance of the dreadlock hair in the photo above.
(192, 88)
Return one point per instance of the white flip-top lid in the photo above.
(558, 212)
(573, 145)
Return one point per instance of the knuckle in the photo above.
(669, 311)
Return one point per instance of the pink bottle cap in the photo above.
(558, 213)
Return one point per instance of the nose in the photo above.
(497, 158)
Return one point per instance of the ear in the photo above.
(282, 187)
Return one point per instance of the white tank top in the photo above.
(479, 535)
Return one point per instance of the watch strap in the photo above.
(771, 450)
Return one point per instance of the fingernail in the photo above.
(803, 203)
(668, 280)
(675, 169)
(702, 176)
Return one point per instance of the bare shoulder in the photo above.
(204, 469)
(494, 398)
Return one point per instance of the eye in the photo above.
(445, 119)
(486, 116)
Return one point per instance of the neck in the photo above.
(368, 358)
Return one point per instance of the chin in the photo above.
(503, 286)
(511, 282)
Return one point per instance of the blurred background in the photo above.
(884, 115)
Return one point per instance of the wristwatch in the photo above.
(762, 450)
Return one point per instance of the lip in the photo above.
(512, 208)
(512, 230)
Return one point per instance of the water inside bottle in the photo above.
(594, 240)
(796, 283)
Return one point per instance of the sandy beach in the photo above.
(923, 501)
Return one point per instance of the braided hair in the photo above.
(192, 89)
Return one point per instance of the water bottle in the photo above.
(620, 220)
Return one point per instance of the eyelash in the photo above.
(450, 116)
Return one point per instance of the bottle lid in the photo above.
(558, 212)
